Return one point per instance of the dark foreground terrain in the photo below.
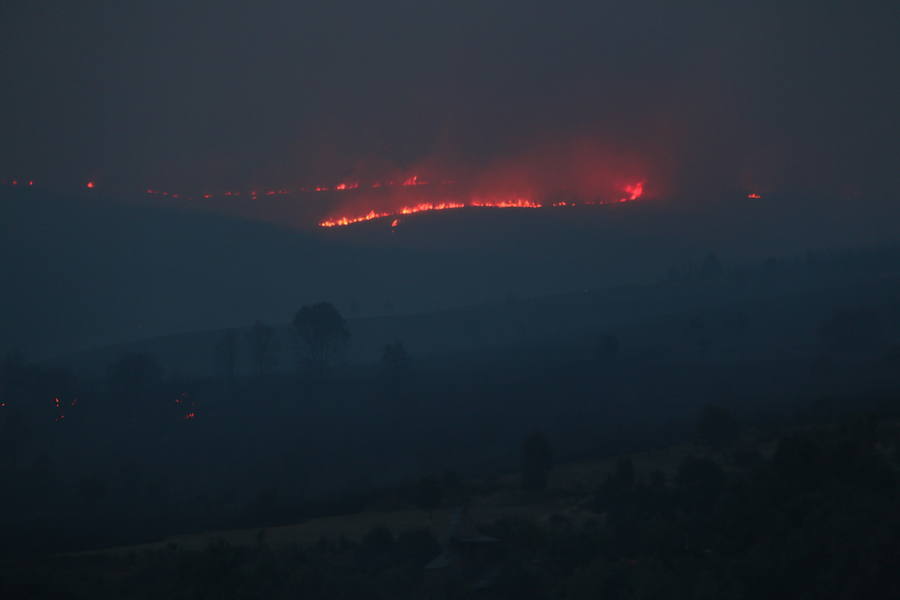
(730, 432)
(809, 513)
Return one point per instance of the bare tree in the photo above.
(263, 348)
(322, 333)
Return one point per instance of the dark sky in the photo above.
(275, 92)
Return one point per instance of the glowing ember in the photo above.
(342, 221)
(514, 203)
(414, 180)
(428, 206)
(634, 191)
(628, 193)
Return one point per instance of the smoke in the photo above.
(580, 99)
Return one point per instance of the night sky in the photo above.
(186, 95)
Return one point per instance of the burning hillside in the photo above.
(631, 192)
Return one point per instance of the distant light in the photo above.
(395, 222)
(90, 185)
(30, 183)
(15, 182)
(754, 196)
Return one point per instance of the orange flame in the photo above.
(634, 191)
(631, 191)
(428, 206)
(515, 203)
(414, 180)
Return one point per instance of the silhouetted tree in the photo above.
(717, 427)
(394, 361)
(263, 348)
(322, 331)
(428, 493)
(537, 460)
(700, 481)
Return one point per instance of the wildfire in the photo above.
(634, 191)
(342, 221)
(184, 402)
(60, 407)
(514, 203)
(425, 207)
(414, 180)
(628, 193)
